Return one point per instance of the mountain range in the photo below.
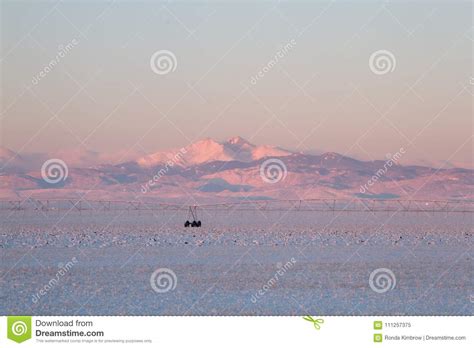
(235, 169)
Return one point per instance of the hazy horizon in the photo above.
(80, 156)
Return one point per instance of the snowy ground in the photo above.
(244, 263)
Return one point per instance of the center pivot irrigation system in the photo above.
(192, 212)
(356, 205)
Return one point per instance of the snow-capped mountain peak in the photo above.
(211, 170)
(238, 141)
(210, 150)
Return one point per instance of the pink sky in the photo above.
(317, 95)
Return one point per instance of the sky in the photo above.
(292, 74)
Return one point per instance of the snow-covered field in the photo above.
(238, 263)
